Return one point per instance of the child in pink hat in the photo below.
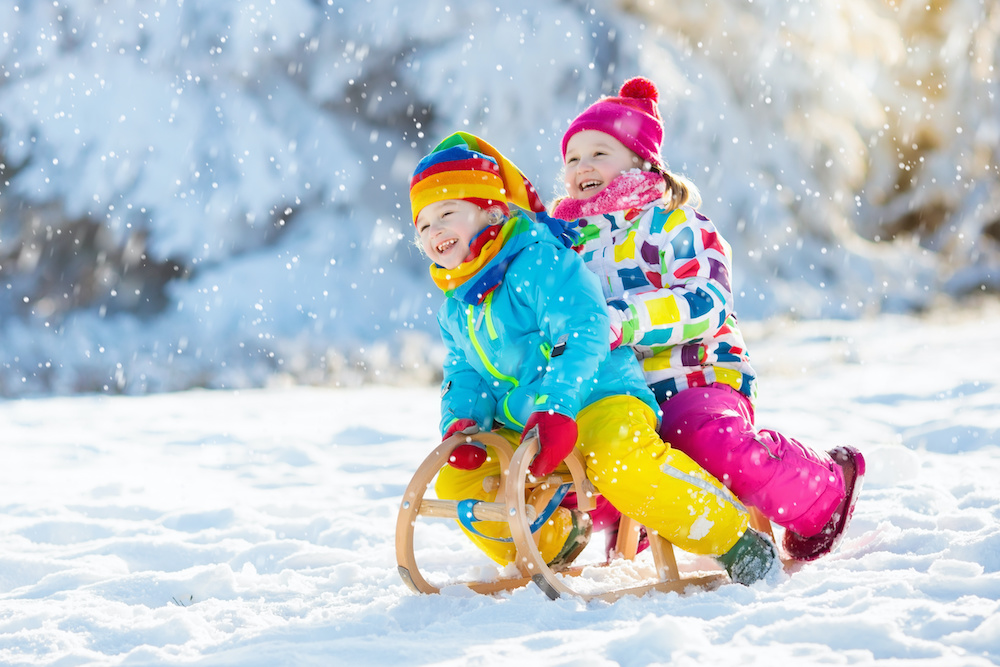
(665, 272)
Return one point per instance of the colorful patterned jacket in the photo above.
(667, 272)
(537, 341)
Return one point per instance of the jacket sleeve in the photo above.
(691, 295)
(464, 393)
(571, 315)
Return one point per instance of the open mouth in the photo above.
(589, 185)
(445, 246)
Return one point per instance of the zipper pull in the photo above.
(560, 345)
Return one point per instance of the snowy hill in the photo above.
(215, 194)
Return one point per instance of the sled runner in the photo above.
(512, 507)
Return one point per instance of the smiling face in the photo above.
(594, 159)
(446, 228)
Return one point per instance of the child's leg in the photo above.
(455, 484)
(792, 485)
(654, 484)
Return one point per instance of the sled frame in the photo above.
(512, 507)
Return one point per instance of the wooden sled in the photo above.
(512, 507)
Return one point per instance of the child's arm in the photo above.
(694, 297)
(464, 394)
(572, 316)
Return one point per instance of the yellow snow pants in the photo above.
(628, 463)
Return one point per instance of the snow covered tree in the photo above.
(215, 193)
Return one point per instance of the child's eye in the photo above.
(572, 160)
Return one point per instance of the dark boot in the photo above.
(751, 558)
(826, 540)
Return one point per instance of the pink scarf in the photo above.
(632, 189)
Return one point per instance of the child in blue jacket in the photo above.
(525, 327)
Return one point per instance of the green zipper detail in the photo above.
(509, 417)
(482, 355)
(488, 309)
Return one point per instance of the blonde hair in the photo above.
(680, 190)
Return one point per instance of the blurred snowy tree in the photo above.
(865, 120)
(214, 193)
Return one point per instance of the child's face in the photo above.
(446, 228)
(594, 159)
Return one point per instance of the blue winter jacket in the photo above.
(538, 342)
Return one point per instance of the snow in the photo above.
(257, 527)
(213, 195)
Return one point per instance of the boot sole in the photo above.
(848, 458)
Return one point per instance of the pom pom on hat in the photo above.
(632, 118)
(639, 88)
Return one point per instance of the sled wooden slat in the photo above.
(513, 583)
(680, 585)
(760, 522)
(482, 511)
(627, 542)
(664, 558)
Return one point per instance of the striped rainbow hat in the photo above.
(463, 166)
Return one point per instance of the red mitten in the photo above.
(468, 455)
(458, 425)
(556, 439)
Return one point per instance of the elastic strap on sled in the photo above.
(466, 518)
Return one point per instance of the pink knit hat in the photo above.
(632, 118)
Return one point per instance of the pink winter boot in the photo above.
(827, 539)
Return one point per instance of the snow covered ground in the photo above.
(257, 527)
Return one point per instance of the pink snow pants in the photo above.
(790, 484)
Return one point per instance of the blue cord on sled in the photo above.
(466, 518)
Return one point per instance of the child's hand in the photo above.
(458, 425)
(469, 455)
(556, 439)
